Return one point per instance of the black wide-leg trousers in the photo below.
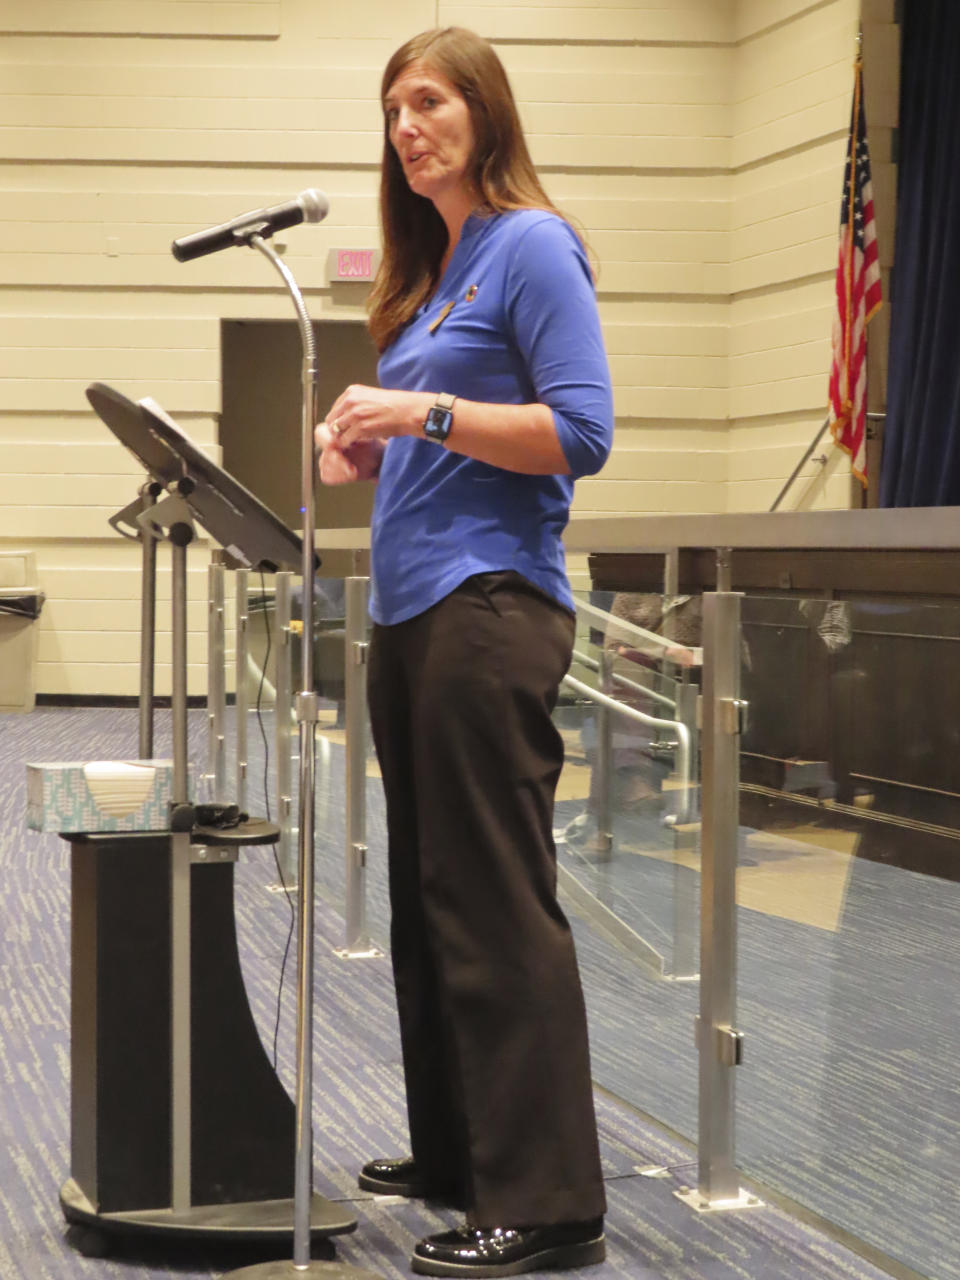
(492, 1019)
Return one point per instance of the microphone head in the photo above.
(314, 204)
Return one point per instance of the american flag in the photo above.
(858, 293)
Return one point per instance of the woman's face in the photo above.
(431, 131)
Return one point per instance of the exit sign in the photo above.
(352, 264)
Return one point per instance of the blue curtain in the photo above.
(921, 447)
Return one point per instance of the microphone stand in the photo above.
(307, 715)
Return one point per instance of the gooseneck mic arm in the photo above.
(309, 206)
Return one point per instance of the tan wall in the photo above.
(699, 143)
(793, 79)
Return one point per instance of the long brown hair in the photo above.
(502, 173)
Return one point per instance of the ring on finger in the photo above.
(336, 428)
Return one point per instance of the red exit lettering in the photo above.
(355, 263)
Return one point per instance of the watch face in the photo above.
(437, 424)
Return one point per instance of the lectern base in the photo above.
(284, 1269)
(262, 1220)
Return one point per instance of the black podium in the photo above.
(179, 1124)
(242, 1119)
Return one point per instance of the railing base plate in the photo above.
(700, 1204)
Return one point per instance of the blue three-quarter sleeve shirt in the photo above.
(523, 329)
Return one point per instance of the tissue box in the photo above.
(101, 795)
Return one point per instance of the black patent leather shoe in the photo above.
(391, 1177)
(508, 1251)
(400, 1178)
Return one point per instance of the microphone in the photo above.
(309, 206)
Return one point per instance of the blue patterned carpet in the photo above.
(642, 1035)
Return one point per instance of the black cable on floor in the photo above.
(266, 804)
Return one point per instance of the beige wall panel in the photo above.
(266, 302)
(774, 461)
(784, 266)
(157, 217)
(642, 153)
(702, 23)
(144, 17)
(31, 523)
(755, 16)
(139, 189)
(686, 435)
(820, 493)
(648, 61)
(630, 121)
(243, 114)
(796, 429)
(306, 42)
(109, 679)
(666, 464)
(781, 331)
(663, 277)
(823, 85)
(668, 371)
(640, 496)
(94, 584)
(671, 402)
(697, 247)
(305, 146)
(171, 80)
(239, 270)
(26, 458)
(783, 362)
(109, 364)
(818, 35)
(784, 232)
(669, 311)
(793, 130)
(195, 334)
(66, 613)
(665, 340)
(786, 395)
(795, 296)
(83, 428)
(657, 87)
(782, 184)
(118, 645)
(689, 214)
(18, 394)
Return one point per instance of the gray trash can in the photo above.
(20, 605)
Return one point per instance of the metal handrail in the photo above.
(634, 713)
(584, 660)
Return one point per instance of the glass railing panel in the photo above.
(849, 918)
(628, 853)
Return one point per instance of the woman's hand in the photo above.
(344, 466)
(362, 414)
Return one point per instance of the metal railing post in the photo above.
(685, 957)
(242, 699)
(356, 942)
(719, 1044)
(216, 685)
(283, 728)
(603, 771)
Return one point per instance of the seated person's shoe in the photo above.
(391, 1177)
(508, 1251)
(400, 1178)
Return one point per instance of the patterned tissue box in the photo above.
(101, 795)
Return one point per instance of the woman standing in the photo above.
(494, 396)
